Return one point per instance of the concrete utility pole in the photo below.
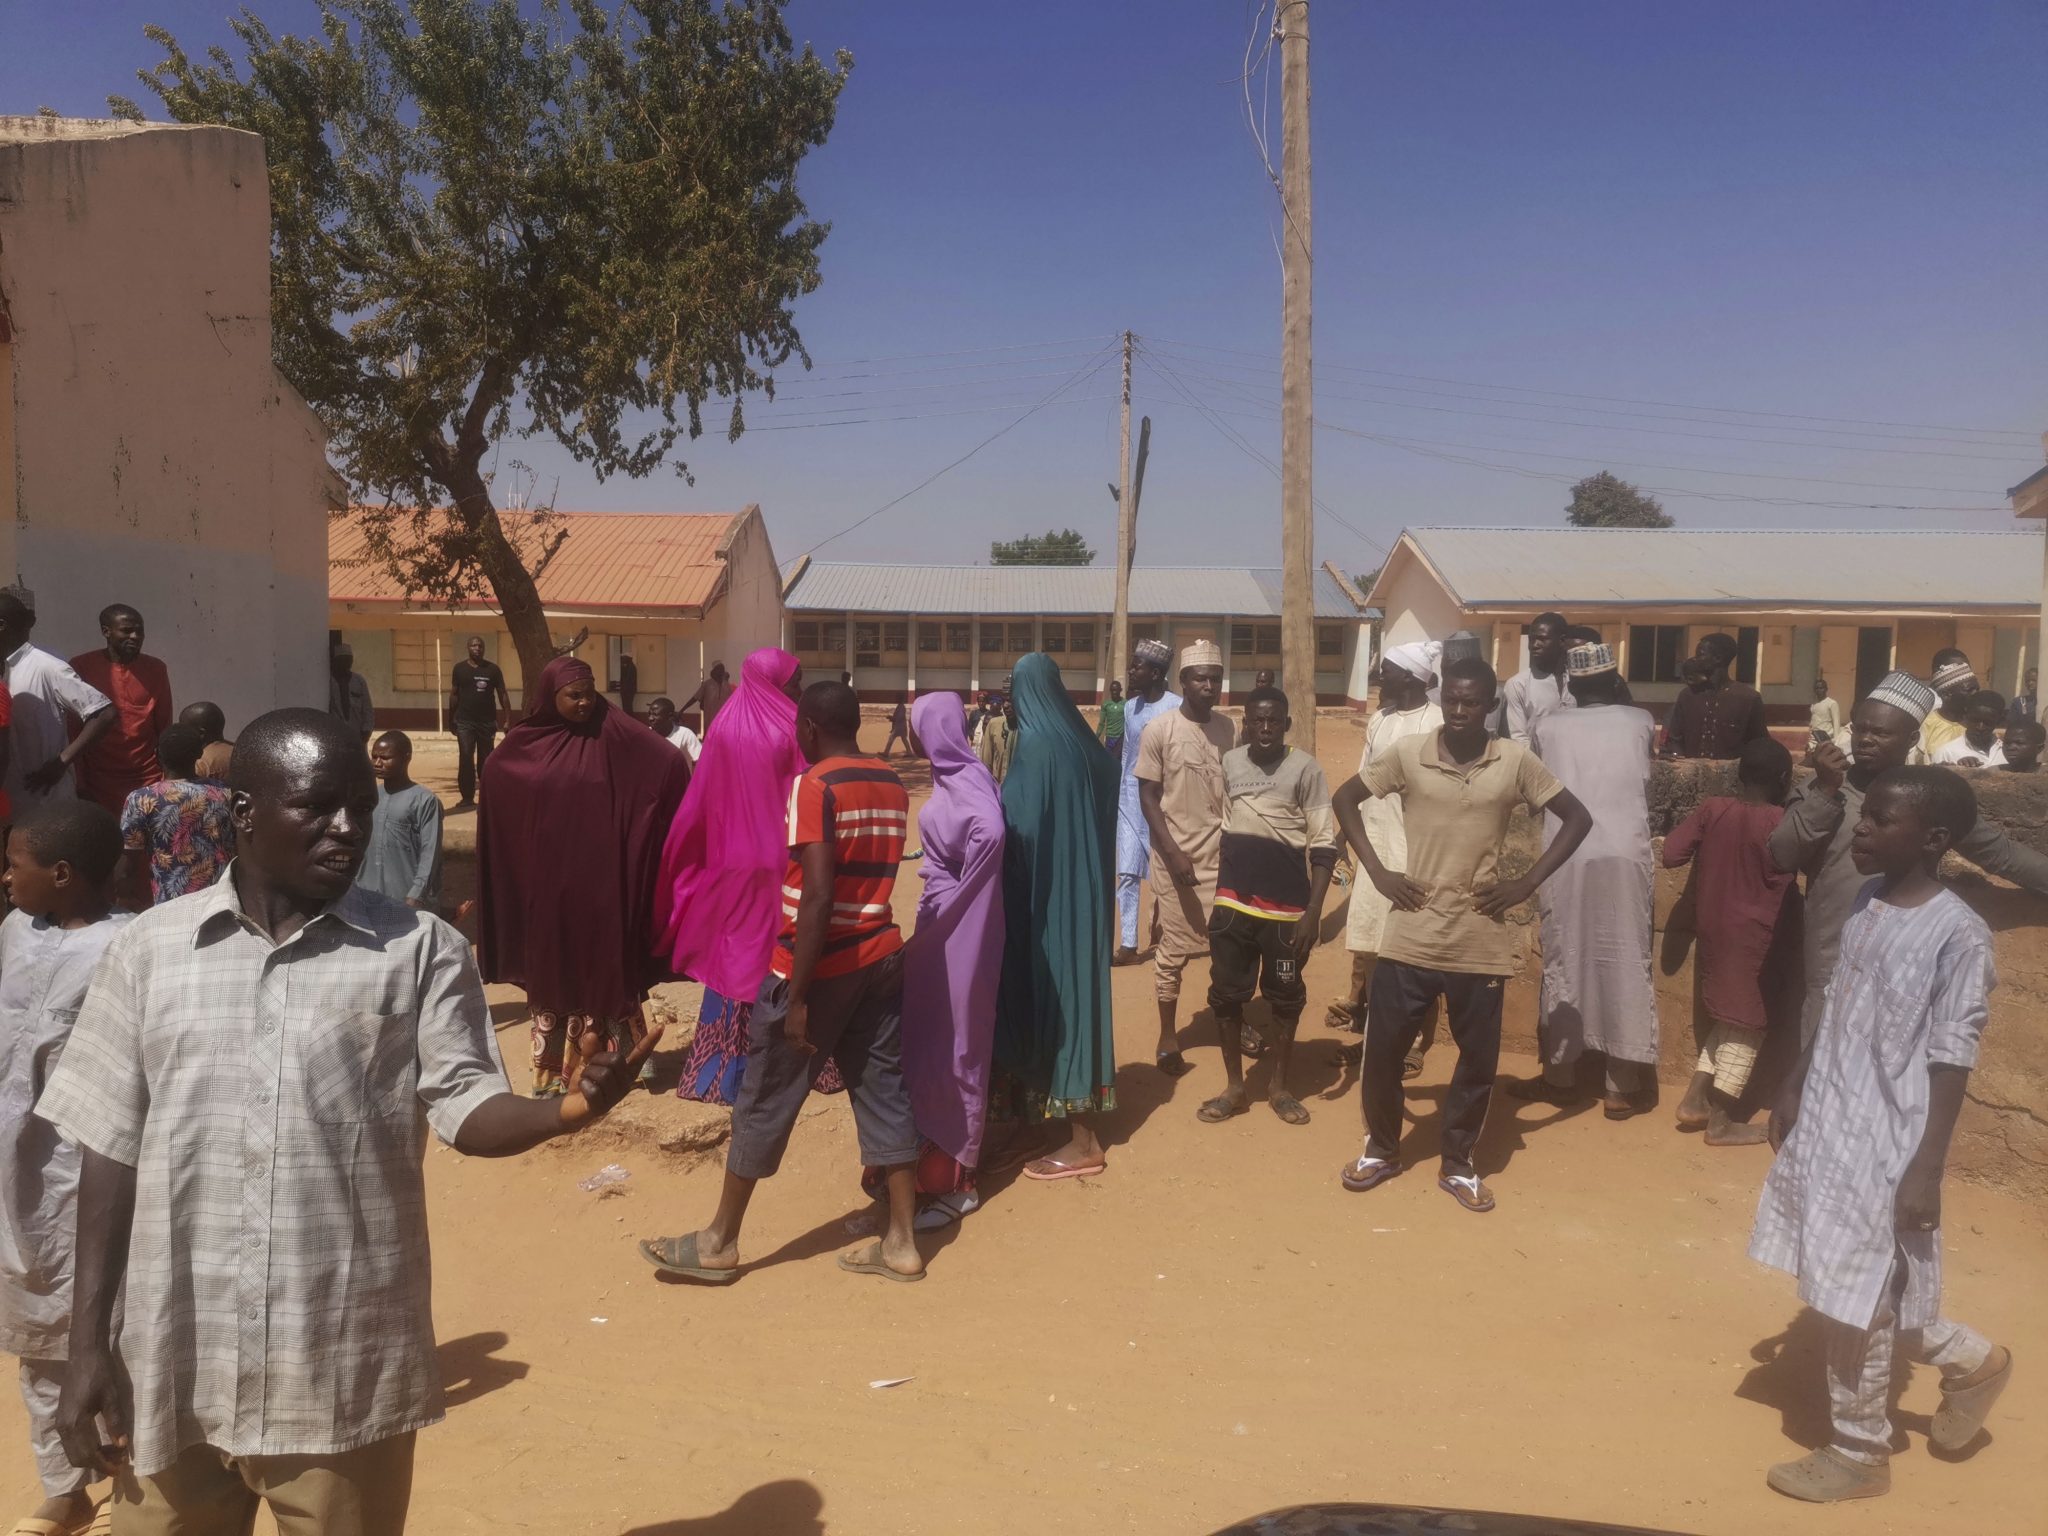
(1297, 403)
(1126, 538)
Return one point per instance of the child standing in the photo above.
(834, 992)
(2022, 746)
(1977, 747)
(403, 860)
(1852, 1206)
(1279, 846)
(179, 825)
(1748, 924)
(61, 861)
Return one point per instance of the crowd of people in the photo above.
(213, 1274)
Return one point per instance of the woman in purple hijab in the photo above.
(954, 960)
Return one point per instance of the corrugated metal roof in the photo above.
(1053, 589)
(609, 560)
(1845, 569)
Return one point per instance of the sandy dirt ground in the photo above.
(1211, 1329)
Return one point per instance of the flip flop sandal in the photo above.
(1251, 1042)
(1470, 1193)
(1290, 1109)
(1964, 1409)
(1828, 1477)
(870, 1263)
(1363, 1173)
(1057, 1170)
(1220, 1109)
(677, 1257)
(946, 1211)
(1411, 1068)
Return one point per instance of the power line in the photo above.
(863, 421)
(1080, 376)
(2001, 453)
(1614, 399)
(1237, 440)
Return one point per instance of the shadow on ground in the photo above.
(1412, 1520)
(788, 1508)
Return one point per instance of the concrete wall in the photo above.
(156, 456)
(2002, 1139)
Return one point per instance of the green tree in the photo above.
(1601, 501)
(1063, 548)
(583, 224)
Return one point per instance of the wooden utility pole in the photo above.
(1126, 538)
(1297, 403)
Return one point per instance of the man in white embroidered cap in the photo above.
(1180, 786)
(1597, 993)
(1820, 819)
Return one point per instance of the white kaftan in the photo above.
(1597, 992)
(1910, 991)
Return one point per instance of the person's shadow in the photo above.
(471, 1367)
(791, 1507)
(1791, 1376)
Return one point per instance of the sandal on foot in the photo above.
(1411, 1068)
(1048, 1169)
(1172, 1063)
(946, 1210)
(677, 1257)
(869, 1261)
(1628, 1105)
(1251, 1042)
(1222, 1108)
(1828, 1477)
(1363, 1173)
(1964, 1409)
(1342, 1016)
(1288, 1108)
(1467, 1190)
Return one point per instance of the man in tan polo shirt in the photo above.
(1447, 935)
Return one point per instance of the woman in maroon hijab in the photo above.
(578, 798)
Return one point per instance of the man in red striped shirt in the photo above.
(834, 993)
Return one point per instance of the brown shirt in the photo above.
(1456, 817)
(1717, 722)
(1186, 761)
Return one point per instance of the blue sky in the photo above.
(1721, 220)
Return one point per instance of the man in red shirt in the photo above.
(834, 993)
(124, 760)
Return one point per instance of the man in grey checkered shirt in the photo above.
(251, 1079)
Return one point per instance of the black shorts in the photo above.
(1248, 954)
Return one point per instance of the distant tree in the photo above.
(1601, 501)
(581, 216)
(1063, 548)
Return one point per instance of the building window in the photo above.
(1254, 642)
(1081, 640)
(1020, 638)
(867, 643)
(412, 661)
(957, 634)
(931, 640)
(1055, 641)
(1329, 643)
(896, 638)
(991, 640)
(820, 642)
(804, 636)
(1144, 632)
(1655, 652)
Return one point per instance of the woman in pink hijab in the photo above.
(718, 903)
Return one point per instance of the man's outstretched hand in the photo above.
(607, 1076)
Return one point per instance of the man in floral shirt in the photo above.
(180, 824)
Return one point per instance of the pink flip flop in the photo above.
(1060, 1170)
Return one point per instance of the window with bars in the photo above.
(412, 661)
(867, 643)
(1254, 642)
(1329, 643)
(896, 638)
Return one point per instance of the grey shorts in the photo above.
(855, 1020)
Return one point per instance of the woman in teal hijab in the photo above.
(1055, 1051)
